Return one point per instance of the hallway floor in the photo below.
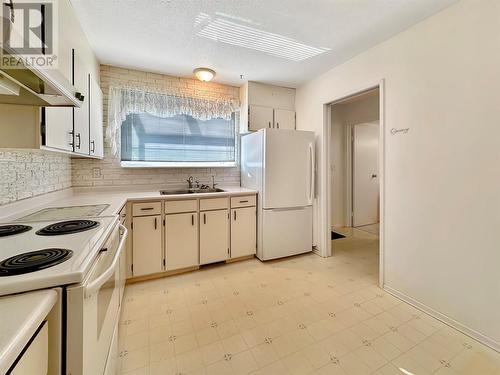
(301, 315)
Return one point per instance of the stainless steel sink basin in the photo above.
(190, 191)
(174, 192)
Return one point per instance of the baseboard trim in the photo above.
(485, 340)
(160, 275)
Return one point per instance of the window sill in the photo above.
(167, 164)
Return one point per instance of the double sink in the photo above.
(191, 191)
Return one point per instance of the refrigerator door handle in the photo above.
(311, 175)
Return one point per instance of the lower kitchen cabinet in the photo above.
(146, 245)
(243, 231)
(214, 236)
(181, 240)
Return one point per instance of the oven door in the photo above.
(92, 310)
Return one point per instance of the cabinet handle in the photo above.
(204, 218)
(79, 140)
(156, 223)
(269, 123)
(278, 125)
(235, 215)
(92, 149)
(243, 201)
(192, 220)
(146, 208)
(71, 133)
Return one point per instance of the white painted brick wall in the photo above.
(113, 174)
(27, 173)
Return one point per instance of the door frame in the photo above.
(325, 199)
(349, 157)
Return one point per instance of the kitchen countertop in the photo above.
(22, 314)
(115, 197)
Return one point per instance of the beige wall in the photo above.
(442, 206)
(113, 174)
(362, 110)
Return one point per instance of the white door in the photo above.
(59, 128)
(96, 120)
(288, 168)
(214, 236)
(59, 121)
(243, 231)
(146, 245)
(286, 232)
(181, 238)
(260, 117)
(284, 119)
(82, 124)
(365, 182)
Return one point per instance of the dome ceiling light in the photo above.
(204, 74)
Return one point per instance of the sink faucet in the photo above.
(193, 182)
(213, 182)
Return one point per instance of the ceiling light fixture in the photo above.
(204, 74)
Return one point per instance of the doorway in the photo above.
(354, 178)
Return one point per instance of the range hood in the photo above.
(23, 81)
(29, 85)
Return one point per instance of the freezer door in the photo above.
(286, 232)
(288, 168)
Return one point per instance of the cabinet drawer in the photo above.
(173, 207)
(243, 201)
(146, 208)
(214, 204)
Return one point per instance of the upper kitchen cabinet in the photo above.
(96, 120)
(78, 130)
(284, 119)
(57, 123)
(266, 106)
(81, 117)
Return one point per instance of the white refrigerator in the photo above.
(279, 164)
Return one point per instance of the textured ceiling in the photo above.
(284, 42)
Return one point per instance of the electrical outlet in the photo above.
(96, 172)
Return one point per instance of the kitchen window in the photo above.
(177, 141)
(148, 128)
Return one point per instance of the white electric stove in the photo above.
(44, 254)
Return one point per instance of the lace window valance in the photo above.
(124, 101)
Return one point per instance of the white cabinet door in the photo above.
(214, 236)
(81, 119)
(59, 121)
(284, 119)
(59, 128)
(181, 239)
(146, 245)
(260, 117)
(243, 231)
(96, 129)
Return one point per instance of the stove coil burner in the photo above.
(67, 227)
(33, 261)
(11, 229)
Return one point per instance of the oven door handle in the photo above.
(95, 285)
